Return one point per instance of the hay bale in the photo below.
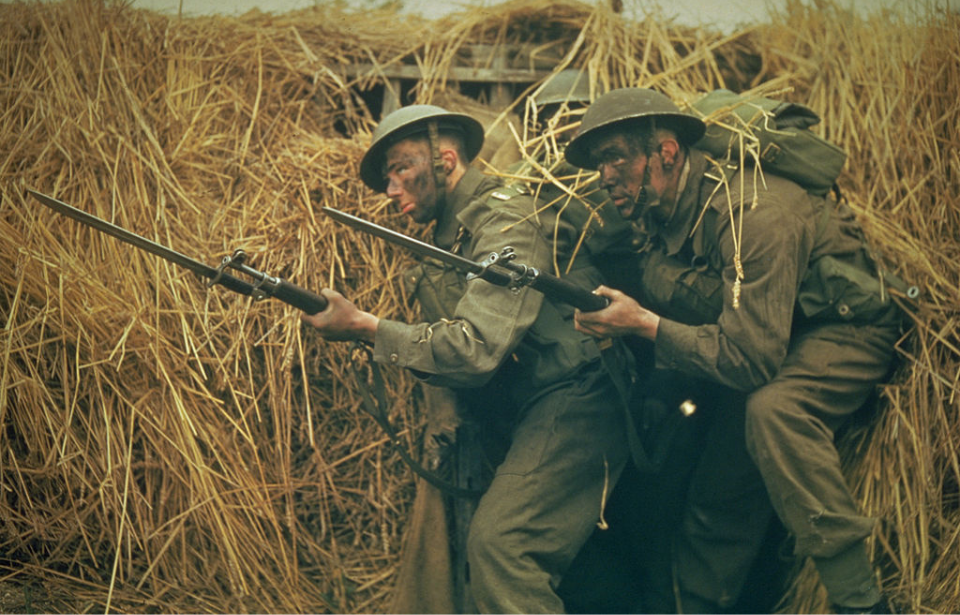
(165, 447)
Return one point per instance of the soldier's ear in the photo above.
(669, 151)
(450, 158)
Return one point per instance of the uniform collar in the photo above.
(678, 228)
(448, 226)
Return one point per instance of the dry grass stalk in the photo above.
(170, 448)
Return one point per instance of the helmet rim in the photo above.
(570, 85)
(412, 120)
(623, 105)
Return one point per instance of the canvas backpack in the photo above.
(773, 132)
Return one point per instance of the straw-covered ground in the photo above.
(165, 447)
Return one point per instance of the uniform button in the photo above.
(843, 309)
(394, 357)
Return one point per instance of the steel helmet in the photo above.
(568, 86)
(628, 104)
(412, 120)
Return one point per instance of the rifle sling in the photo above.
(377, 409)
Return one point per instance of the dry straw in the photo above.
(165, 447)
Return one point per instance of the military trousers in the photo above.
(776, 453)
(566, 454)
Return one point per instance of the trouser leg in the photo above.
(829, 373)
(546, 498)
(656, 502)
(628, 567)
(726, 518)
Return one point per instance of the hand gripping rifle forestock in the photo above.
(498, 268)
(261, 286)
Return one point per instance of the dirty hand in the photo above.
(624, 316)
(342, 321)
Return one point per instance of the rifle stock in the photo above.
(300, 298)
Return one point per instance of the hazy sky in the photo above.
(723, 15)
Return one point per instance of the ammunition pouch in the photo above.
(839, 291)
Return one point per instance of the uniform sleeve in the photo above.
(489, 320)
(747, 345)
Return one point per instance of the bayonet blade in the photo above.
(414, 245)
(206, 271)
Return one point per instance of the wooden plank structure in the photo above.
(500, 71)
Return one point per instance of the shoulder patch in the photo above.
(508, 192)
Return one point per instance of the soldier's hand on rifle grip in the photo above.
(342, 321)
(624, 316)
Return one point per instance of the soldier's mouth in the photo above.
(623, 204)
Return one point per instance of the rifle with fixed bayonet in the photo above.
(498, 268)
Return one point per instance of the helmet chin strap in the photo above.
(439, 173)
(646, 197)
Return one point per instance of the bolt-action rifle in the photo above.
(498, 268)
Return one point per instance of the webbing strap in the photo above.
(438, 172)
(376, 408)
(611, 362)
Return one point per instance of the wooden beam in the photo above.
(457, 73)
(391, 97)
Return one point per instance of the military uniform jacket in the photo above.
(476, 327)
(803, 263)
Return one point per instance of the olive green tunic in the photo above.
(567, 441)
(805, 334)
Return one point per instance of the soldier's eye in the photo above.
(611, 159)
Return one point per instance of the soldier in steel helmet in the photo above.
(565, 443)
(559, 102)
(776, 303)
(553, 111)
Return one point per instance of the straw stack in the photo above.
(887, 88)
(167, 447)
